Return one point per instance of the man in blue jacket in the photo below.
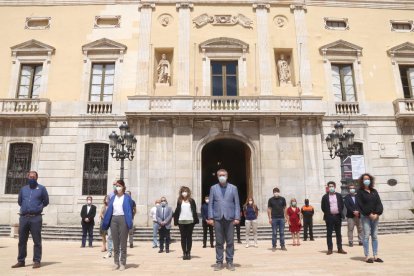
(33, 197)
(224, 213)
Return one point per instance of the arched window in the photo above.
(95, 169)
(19, 163)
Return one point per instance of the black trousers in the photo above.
(87, 230)
(237, 226)
(333, 223)
(32, 225)
(210, 230)
(186, 232)
(164, 237)
(307, 225)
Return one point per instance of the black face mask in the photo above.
(32, 183)
(307, 202)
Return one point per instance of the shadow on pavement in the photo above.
(361, 259)
(48, 263)
(132, 266)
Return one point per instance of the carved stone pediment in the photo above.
(104, 44)
(224, 43)
(222, 20)
(32, 47)
(405, 49)
(341, 47)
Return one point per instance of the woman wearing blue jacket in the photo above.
(119, 217)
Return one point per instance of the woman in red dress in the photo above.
(294, 215)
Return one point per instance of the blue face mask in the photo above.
(32, 183)
(367, 182)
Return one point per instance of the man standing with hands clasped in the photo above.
(224, 213)
(88, 213)
(33, 197)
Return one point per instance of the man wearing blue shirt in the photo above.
(33, 197)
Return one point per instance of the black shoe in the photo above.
(360, 243)
(351, 244)
(230, 266)
(312, 239)
(239, 241)
(204, 246)
(329, 252)
(184, 256)
(283, 248)
(19, 264)
(160, 251)
(305, 239)
(131, 246)
(212, 246)
(167, 250)
(218, 266)
(36, 265)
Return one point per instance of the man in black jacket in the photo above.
(88, 213)
(332, 207)
(352, 216)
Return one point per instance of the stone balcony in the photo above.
(233, 106)
(25, 109)
(404, 108)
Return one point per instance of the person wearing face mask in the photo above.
(155, 225)
(204, 215)
(119, 218)
(352, 216)
(185, 216)
(307, 214)
(276, 211)
(332, 207)
(33, 197)
(224, 214)
(164, 216)
(294, 217)
(88, 214)
(251, 212)
(370, 207)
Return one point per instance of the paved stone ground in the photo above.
(67, 258)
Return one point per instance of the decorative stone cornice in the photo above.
(32, 47)
(404, 50)
(223, 19)
(184, 5)
(104, 46)
(146, 5)
(342, 48)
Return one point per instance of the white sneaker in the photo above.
(107, 255)
(247, 245)
(122, 268)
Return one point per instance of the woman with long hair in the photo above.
(250, 212)
(370, 208)
(185, 216)
(101, 217)
(119, 217)
(294, 215)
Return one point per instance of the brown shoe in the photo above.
(341, 251)
(36, 265)
(19, 264)
(329, 252)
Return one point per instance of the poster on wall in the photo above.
(358, 166)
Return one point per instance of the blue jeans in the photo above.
(278, 224)
(224, 230)
(155, 227)
(370, 228)
(32, 225)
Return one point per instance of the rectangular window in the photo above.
(401, 25)
(336, 24)
(20, 161)
(102, 82)
(407, 80)
(29, 81)
(224, 78)
(95, 169)
(343, 83)
(332, 23)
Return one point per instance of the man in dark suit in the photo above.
(332, 207)
(88, 213)
(164, 217)
(224, 213)
(352, 216)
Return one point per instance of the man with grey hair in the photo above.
(224, 213)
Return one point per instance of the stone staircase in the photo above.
(73, 233)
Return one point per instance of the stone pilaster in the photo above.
(302, 46)
(263, 48)
(144, 52)
(183, 55)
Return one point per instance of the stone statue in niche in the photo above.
(284, 71)
(163, 70)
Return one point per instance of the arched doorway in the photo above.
(229, 154)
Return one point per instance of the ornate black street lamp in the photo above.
(122, 146)
(341, 144)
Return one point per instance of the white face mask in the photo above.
(184, 194)
(207, 200)
(222, 179)
(89, 202)
(250, 202)
(276, 194)
(118, 188)
(157, 204)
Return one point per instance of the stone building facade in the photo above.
(250, 86)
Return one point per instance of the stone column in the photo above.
(302, 47)
(263, 48)
(183, 74)
(144, 43)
